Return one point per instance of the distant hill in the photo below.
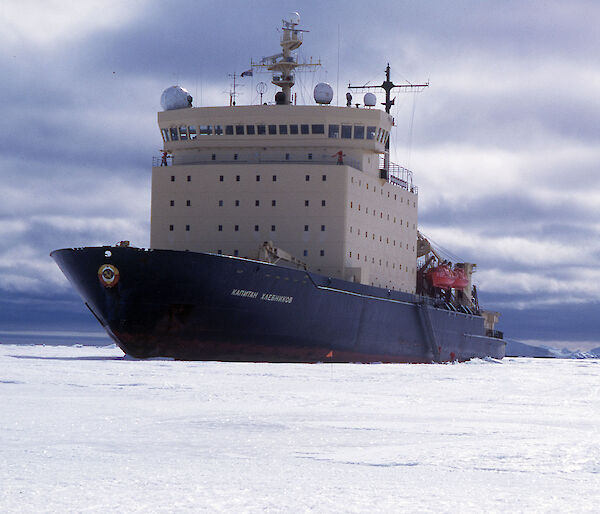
(518, 349)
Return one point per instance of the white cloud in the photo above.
(59, 21)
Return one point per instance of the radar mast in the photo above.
(284, 64)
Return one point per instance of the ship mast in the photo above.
(387, 86)
(284, 64)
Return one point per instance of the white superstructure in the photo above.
(307, 178)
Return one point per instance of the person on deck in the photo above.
(163, 161)
(340, 157)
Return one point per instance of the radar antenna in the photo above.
(283, 64)
(232, 91)
(261, 89)
(387, 86)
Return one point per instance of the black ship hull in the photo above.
(197, 306)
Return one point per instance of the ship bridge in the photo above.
(311, 179)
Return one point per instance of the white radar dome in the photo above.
(370, 99)
(175, 97)
(294, 18)
(323, 93)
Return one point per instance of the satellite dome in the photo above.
(294, 18)
(370, 99)
(175, 97)
(323, 93)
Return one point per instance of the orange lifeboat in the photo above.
(441, 276)
(460, 279)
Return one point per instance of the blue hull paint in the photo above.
(199, 306)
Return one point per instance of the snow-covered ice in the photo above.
(84, 430)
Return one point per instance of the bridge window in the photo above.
(229, 130)
(174, 135)
(272, 130)
(334, 131)
(359, 132)
(183, 134)
(371, 131)
(165, 134)
(294, 129)
(346, 131)
(304, 129)
(261, 130)
(250, 130)
(218, 130)
(283, 129)
(239, 130)
(192, 132)
(319, 128)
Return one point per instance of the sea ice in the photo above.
(83, 429)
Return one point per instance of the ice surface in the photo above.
(84, 430)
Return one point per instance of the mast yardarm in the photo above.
(284, 64)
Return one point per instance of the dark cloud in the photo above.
(504, 142)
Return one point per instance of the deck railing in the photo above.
(397, 175)
(322, 160)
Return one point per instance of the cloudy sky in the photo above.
(504, 144)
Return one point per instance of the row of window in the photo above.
(236, 253)
(387, 263)
(380, 215)
(238, 178)
(273, 178)
(374, 238)
(221, 203)
(236, 228)
(374, 188)
(335, 131)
